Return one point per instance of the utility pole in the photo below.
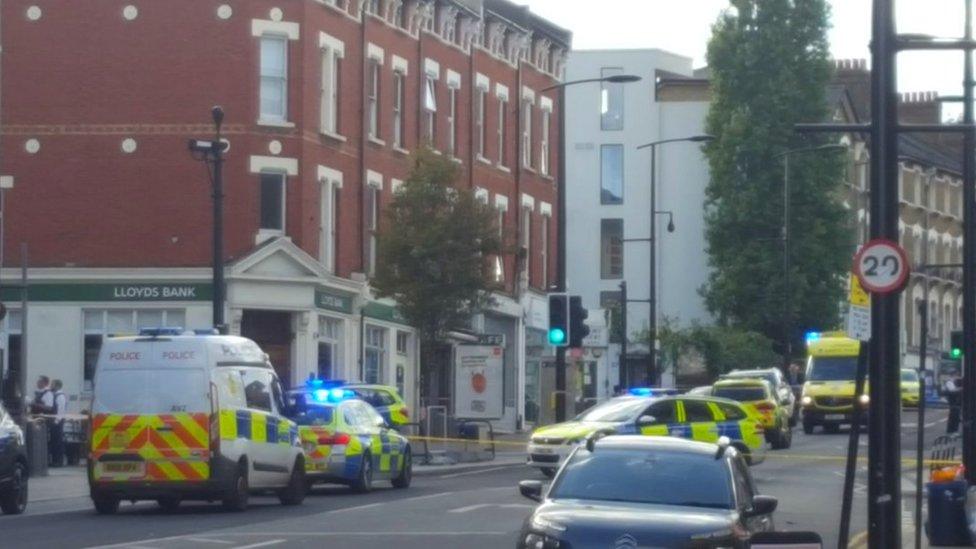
(622, 370)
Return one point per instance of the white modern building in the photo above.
(608, 193)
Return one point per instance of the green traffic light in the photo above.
(956, 353)
(557, 336)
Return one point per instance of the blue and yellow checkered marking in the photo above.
(257, 426)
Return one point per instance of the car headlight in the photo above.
(541, 541)
(864, 399)
(807, 401)
(542, 523)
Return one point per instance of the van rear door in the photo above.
(151, 420)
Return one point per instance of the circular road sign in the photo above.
(881, 266)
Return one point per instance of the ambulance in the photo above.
(180, 416)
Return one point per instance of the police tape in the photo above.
(484, 441)
(810, 457)
(63, 416)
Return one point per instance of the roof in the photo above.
(913, 148)
(661, 444)
(742, 381)
(522, 16)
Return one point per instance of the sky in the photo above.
(684, 27)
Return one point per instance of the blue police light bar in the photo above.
(641, 391)
(162, 331)
(652, 391)
(813, 336)
(331, 395)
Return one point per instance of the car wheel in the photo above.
(787, 438)
(294, 493)
(808, 427)
(105, 505)
(364, 482)
(13, 501)
(549, 471)
(406, 472)
(169, 504)
(795, 416)
(236, 497)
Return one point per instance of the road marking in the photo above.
(481, 471)
(360, 507)
(477, 506)
(429, 496)
(859, 540)
(207, 540)
(262, 544)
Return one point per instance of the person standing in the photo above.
(57, 425)
(952, 390)
(43, 402)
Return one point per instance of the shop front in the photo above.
(390, 351)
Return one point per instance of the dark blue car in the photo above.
(13, 466)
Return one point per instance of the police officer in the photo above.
(952, 390)
(57, 425)
(43, 402)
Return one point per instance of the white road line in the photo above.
(262, 544)
(207, 540)
(359, 507)
(429, 496)
(479, 472)
(358, 533)
(475, 507)
(133, 543)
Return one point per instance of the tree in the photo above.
(721, 348)
(434, 243)
(770, 66)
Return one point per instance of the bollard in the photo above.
(947, 513)
(37, 456)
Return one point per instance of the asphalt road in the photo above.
(478, 509)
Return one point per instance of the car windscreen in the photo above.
(316, 415)
(909, 375)
(832, 368)
(645, 476)
(152, 391)
(615, 410)
(768, 376)
(741, 394)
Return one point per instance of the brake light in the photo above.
(760, 430)
(334, 440)
(214, 420)
(405, 411)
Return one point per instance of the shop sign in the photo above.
(494, 340)
(479, 381)
(122, 292)
(333, 301)
(388, 313)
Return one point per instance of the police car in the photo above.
(347, 441)
(13, 466)
(653, 412)
(183, 416)
(384, 398)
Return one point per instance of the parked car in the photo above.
(783, 390)
(758, 395)
(621, 491)
(13, 466)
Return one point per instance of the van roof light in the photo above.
(162, 331)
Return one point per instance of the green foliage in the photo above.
(434, 245)
(770, 68)
(721, 348)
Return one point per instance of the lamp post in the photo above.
(212, 152)
(560, 285)
(787, 290)
(6, 183)
(652, 320)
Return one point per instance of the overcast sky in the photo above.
(684, 27)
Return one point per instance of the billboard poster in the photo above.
(478, 382)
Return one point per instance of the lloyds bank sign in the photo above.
(117, 292)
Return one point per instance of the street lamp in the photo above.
(652, 299)
(560, 285)
(212, 152)
(787, 297)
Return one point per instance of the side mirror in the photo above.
(380, 422)
(646, 420)
(531, 489)
(761, 505)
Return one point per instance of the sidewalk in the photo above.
(61, 483)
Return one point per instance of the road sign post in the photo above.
(882, 266)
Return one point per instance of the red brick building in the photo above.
(324, 99)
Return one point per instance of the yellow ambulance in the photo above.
(828, 388)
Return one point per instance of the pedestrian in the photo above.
(56, 437)
(43, 402)
(952, 390)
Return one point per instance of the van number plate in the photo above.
(834, 417)
(126, 467)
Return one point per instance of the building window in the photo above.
(430, 109)
(527, 239)
(373, 98)
(527, 133)
(544, 243)
(101, 323)
(450, 31)
(452, 121)
(328, 226)
(544, 143)
(372, 225)
(402, 343)
(502, 118)
(398, 90)
(274, 78)
(498, 269)
(612, 174)
(480, 102)
(611, 101)
(373, 6)
(611, 248)
(331, 65)
(11, 329)
(330, 347)
(398, 17)
(273, 201)
(375, 355)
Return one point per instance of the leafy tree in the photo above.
(722, 348)
(770, 66)
(434, 243)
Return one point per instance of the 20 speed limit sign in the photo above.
(881, 266)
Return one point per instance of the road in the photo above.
(475, 508)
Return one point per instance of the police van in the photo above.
(190, 416)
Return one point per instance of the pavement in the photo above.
(464, 505)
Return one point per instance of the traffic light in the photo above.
(956, 341)
(558, 320)
(578, 330)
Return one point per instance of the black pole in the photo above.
(920, 438)
(217, 150)
(852, 446)
(884, 463)
(652, 321)
(561, 253)
(622, 371)
(24, 299)
(969, 264)
(787, 298)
